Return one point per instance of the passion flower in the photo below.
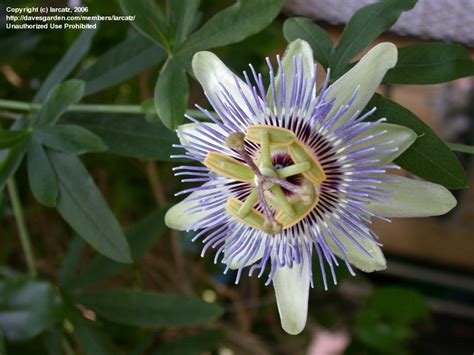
(296, 170)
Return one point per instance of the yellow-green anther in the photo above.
(294, 169)
(280, 201)
(253, 218)
(299, 154)
(247, 206)
(235, 141)
(227, 166)
(277, 135)
(265, 153)
(301, 211)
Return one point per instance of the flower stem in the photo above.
(130, 109)
(21, 224)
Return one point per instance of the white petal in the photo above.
(296, 49)
(413, 198)
(214, 76)
(400, 137)
(179, 217)
(368, 74)
(292, 291)
(355, 255)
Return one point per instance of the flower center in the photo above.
(275, 202)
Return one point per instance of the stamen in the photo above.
(247, 206)
(294, 169)
(227, 166)
(281, 201)
(235, 141)
(265, 153)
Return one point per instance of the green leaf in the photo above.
(205, 341)
(70, 261)
(430, 63)
(182, 14)
(378, 334)
(141, 237)
(11, 138)
(129, 135)
(27, 308)
(68, 62)
(384, 323)
(16, 44)
(52, 340)
(364, 26)
(120, 63)
(429, 157)
(305, 29)
(58, 100)
(399, 304)
(149, 309)
(462, 148)
(70, 139)
(171, 94)
(149, 20)
(233, 24)
(10, 161)
(41, 176)
(3, 349)
(81, 204)
(92, 340)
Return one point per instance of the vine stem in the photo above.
(21, 224)
(130, 109)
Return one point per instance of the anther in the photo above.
(235, 141)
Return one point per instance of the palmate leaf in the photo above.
(149, 309)
(364, 26)
(319, 40)
(129, 135)
(429, 157)
(27, 307)
(57, 102)
(68, 62)
(70, 139)
(41, 176)
(182, 15)
(92, 340)
(82, 206)
(233, 24)
(70, 261)
(122, 62)
(11, 138)
(70, 92)
(141, 236)
(149, 20)
(430, 63)
(171, 94)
